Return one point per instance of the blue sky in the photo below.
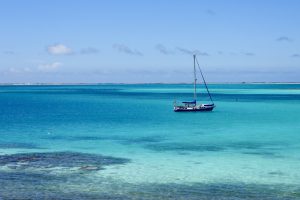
(148, 41)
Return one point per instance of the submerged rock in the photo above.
(59, 159)
(36, 186)
(89, 168)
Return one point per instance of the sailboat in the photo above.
(192, 106)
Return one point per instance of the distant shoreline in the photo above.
(183, 83)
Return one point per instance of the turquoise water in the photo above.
(125, 142)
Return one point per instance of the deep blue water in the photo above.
(125, 142)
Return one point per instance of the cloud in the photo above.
(14, 70)
(49, 67)
(9, 52)
(59, 49)
(27, 69)
(210, 12)
(162, 49)
(125, 49)
(248, 54)
(284, 39)
(192, 52)
(296, 55)
(89, 50)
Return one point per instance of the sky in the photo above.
(149, 41)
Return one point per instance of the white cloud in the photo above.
(14, 70)
(49, 67)
(59, 49)
(27, 69)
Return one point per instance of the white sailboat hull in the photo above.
(199, 108)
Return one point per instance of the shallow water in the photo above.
(247, 148)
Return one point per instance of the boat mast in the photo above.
(195, 78)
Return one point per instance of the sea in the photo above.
(124, 141)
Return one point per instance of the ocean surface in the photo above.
(113, 141)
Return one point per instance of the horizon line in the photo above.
(148, 83)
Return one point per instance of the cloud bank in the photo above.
(125, 49)
(249, 54)
(49, 67)
(162, 49)
(210, 12)
(191, 52)
(89, 50)
(284, 39)
(9, 52)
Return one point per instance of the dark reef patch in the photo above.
(276, 173)
(42, 185)
(48, 175)
(58, 159)
(183, 147)
(255, 145)
(70, 138)
(142, 140)
(246, 145)
(15, 145)
(32, 186)
(268, 150)
(120, 139)
(265, 154)
(29, 182)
